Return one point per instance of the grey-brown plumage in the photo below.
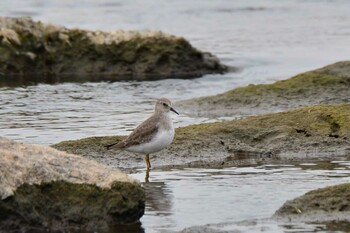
(152, 135)
(142, 134)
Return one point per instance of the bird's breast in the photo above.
(161, 140)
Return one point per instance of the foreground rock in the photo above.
(328, 85)
(312, 132)
(44, 189)
(33, 48)
(325, 204)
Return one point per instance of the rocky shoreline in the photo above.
(327, 85)
(321, 205)
(305, 118)
(321, 131)
(29, 48)
(43, 190)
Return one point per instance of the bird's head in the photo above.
(164, 105)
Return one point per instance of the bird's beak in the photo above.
(173, 110)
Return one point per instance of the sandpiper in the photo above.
(152, 135)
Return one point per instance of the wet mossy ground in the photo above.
(328, 85)
(83, 146)
(317, 131)
(29, 48)
(326, 204)
(60, 206)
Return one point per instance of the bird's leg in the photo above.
(147, 176)
(148, 163)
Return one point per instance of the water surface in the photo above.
(237, 198)
(269, 40)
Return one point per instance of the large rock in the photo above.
(311, 132)
(325, 204)
(44, 189)
(30, 48)
(328, 85)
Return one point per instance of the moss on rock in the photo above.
(325, 204)
(64, 206)
(317, 131)
(45, 189)
(328, 85)
(82, 146)
(33, 48)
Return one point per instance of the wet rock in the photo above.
(298, 134)
(328, 85)
(30, 48)
(320, 205)
(44, 189)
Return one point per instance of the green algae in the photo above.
(301, 132)
(333, 200)
(320, 119)
(96, 144)
(317, 79)
(64, 206)
(327, 85)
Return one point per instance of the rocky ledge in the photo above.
(321, 131)
(43, 190)
(328, 85)
(321, 205)
(30, 48)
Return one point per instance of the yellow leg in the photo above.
(148, 163)
(147, 176)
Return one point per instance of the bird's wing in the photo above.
(143, 133)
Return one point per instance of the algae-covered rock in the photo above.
(44, 189)
(328, 85)
(33, 48)
(317, 131)
(325, 204)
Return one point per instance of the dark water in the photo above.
(269, 40)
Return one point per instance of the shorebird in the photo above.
(152, 135)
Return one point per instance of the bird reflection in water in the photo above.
(158, 197)
(127, 228)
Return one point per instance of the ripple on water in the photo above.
(269, 42)
(238, 199)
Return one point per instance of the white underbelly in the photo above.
(159, 142)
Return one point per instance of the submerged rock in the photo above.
(320, 205)
(33, 48)
(304, 133)
(44, 189)
(328, 85)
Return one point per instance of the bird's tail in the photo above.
(108, 147)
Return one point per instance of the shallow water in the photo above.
(237, 198)
(269, 40)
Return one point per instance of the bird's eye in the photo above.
(164, 104)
